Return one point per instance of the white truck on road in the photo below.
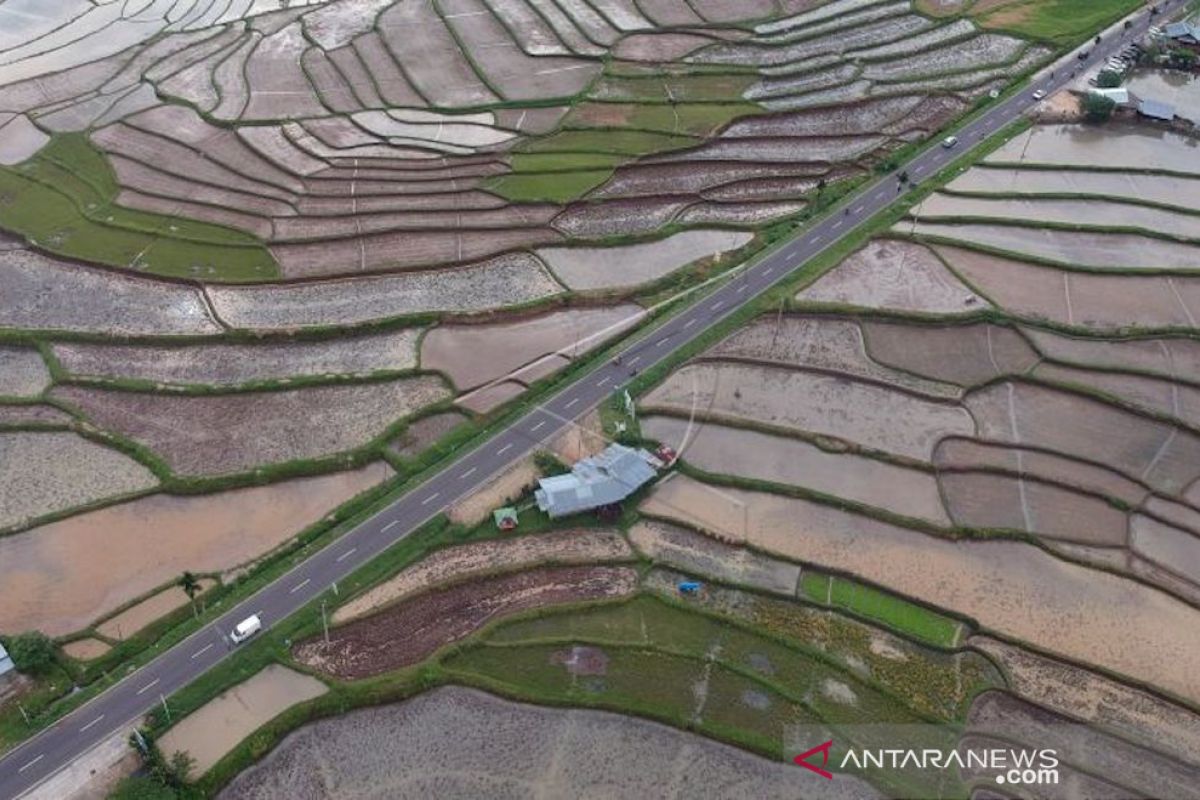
(245, 629)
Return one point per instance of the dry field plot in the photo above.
(233, 364)
(49, 473)
(66, 574)
(215, 434)
(894, 276)
(468, 744)
(472, 355)
(460, 563)
(410, 631)
(865, 414)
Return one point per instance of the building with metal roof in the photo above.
(600, 480)
(1155, 109)
(1119, 95)
(1185, 32)
(6, 663)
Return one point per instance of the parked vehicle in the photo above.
(245, 629)
(949, 141)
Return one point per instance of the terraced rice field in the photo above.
(60, 584)
(247, 240)
(467, 742)
(1047, 294)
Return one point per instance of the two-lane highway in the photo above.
(121, 706)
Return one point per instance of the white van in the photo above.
(246, 628)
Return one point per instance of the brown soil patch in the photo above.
(216, 434)
(86, 649)
(468, 744)
(582, 660)
(501, 490)
(855, 411)
(409, 632)
(491, 396)
(821, 342)
(966, 454)
(472, 355)
(739, 452)
(1158, 395)
(1081, 299)
(894, 275)
(1175, 357)
(62, 576)
(219, 725)
(458, 563)
(599, 268)
(1158, 453)
(1013, 588)
(1081, 693)
(133, 619)
(584, 438)
(1001, 715)
(1119, 251)
(423, 433)
(691, 552)
(988, 501)
(966, 355)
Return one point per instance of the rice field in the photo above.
(250, 239)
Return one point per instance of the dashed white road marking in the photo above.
(689, 323)
(148, 686)
(90, 724)
(391, 525)
(31, 762)
(504, 449)
(604, 381)
(572, 402)
(430, 499)
(300, 585)
(346, 554)
(535, 428)
(202, 650)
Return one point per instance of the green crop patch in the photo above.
(615, 141)
(1062, 22)
(64, 200)
(894, 612)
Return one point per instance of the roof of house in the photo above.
(1119, 95)
(603, 479)
(1182, 30)
(6, 663)
(1156, 110)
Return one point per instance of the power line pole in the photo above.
(325, 622)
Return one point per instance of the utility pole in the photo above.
(166, 709)
(24, 713)
(325, 622)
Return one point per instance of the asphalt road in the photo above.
(121, 706)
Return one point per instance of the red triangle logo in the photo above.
(802, 759)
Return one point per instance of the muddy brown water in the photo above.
(472, 355)
(60, 577)
(138, 616)
(215, 728)
(1133, 146)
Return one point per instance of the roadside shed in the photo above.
(6, 662)
(1155, 109)
(595, 482)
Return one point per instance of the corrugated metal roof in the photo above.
(603, 479)
(1120, 95)
(1157, 110)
